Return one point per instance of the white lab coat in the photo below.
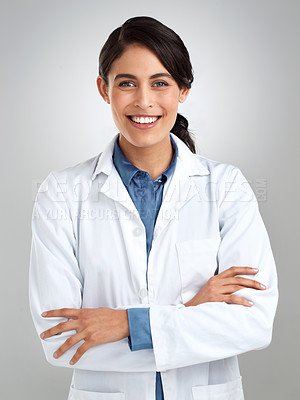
(89, 250)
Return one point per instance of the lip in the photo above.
(144, 126)
(143, 115)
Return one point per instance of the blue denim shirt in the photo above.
(147, 198)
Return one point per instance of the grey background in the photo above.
(243, 109)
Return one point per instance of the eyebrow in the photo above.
(129, 76)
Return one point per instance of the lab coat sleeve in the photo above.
(56, 282)
(216, 330)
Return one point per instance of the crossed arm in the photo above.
(105, 325)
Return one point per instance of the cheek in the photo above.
(117, 107)
(117, 98)
(169, 101)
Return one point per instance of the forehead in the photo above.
(137, 60)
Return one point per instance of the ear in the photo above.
(102, 89)
(183, 94)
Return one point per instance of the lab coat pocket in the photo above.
(197, 262)
(76, 394)
(232, 390)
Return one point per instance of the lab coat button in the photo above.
(143, 293)
(137, 231)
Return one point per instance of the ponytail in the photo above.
(180, 129)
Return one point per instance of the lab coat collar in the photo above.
(179, 191)
(193, 166)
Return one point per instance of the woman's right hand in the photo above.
(220, 287)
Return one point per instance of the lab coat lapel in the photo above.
(110, 182)
(114, 188)
(131, 225)
(181, 188)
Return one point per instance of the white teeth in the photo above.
(146, 120)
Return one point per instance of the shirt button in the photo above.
(137, 231)
(143, 293)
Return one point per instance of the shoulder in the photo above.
(218, 170)
(226, 180)
(80, 171)
(74, 180)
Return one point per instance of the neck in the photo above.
(153, 159)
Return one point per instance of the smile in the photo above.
(143, 119)
(144, 122)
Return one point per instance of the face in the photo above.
(146, 91)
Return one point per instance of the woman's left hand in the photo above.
(93, 325)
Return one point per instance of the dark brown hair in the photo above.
(168, 47)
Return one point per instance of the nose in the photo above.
(144, 97)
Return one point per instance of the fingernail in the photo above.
(250, 303)
(255, 269)
(71, 362)
(44, 314)
(262, 286)
(55, 355)
(42, 335)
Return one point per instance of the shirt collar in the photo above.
(127, 170)
(194, 164)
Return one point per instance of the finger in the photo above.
(229, 289)
(233, 299)
(245, 282)
(74, 339)
(232, 271)
(72, 313)
(62, 327)
(80, 351)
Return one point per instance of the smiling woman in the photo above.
(156, 299)
(136, 100)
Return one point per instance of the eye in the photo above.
(161, 83)
(126, 84)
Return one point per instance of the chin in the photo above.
(145, 139)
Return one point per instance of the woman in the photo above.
(143, 257)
